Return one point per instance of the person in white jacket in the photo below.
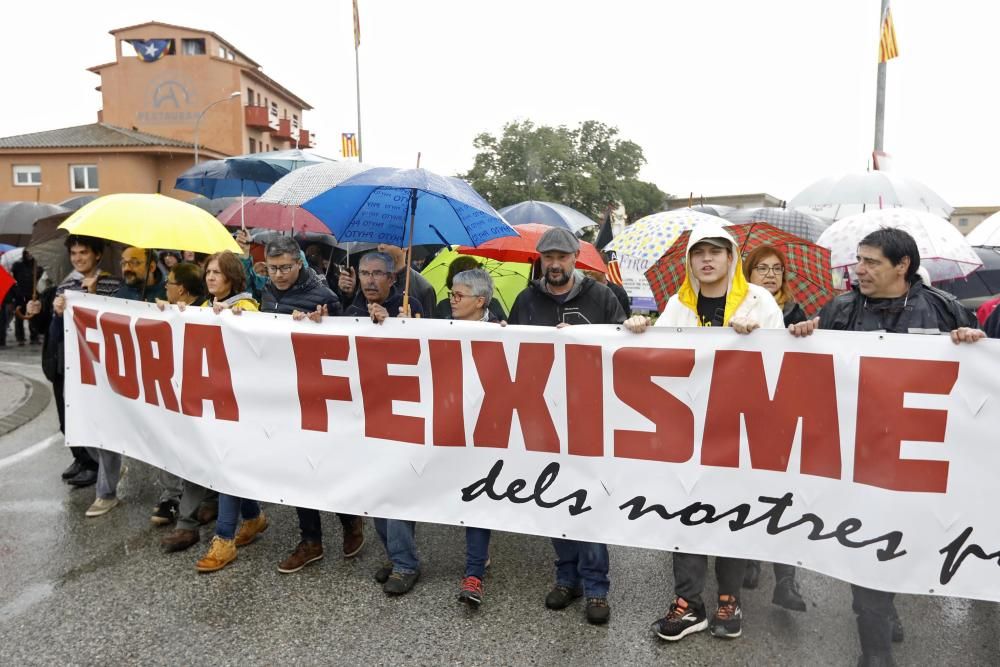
(714, 293)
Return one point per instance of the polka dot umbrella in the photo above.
(649, 238)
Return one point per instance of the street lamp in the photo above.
(197, 123)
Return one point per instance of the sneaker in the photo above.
(751, 576)
(787, 595)
(73, 470)
(102, 506)
(165, 513)
(179, 539)
(728, 620)
(400, 583)
(472, 592)
(560, 597)
(682, 619)
(220, 554)
(598, 611)
(354, 538)
(84, 478)
(251, 529)
(305, 553)
(382, 574)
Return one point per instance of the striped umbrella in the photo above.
(808, 272)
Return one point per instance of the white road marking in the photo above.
(28, 452)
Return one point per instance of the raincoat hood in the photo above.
(737, 288)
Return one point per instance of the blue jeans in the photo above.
(585, 562)
(398, 538)
(231, 509)
(477, 551)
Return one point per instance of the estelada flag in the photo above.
(6, 282)
(348, 144)
(887, 47)
(151, 50)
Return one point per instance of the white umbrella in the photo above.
(986, 233)
(648, 238)
(944, 252)
(301, 185)
(838, 197)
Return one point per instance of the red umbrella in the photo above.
(253, 213)
(521, 248)
(808, 272)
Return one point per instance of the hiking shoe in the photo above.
(400, 583)
(560, 597)
(354, 537)
(598, 611)
(84, 478)
(102, 506)
(472, 592)
(207, 513)
(220, 554)
(179, 539)
(250, 529)
(728, 620)
(165, 513)
(787, 595)
(682, 619)
(751, 576)
(305, 553)
(382, 574)
(73, 470)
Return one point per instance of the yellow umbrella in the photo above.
(151, 221)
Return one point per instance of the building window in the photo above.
(253, 145)
(193, 47)
(83, 177)
(963, 222)
(27, 174)
(249, 96)
(295, 123)
(274, 109)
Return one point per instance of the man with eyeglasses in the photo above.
(379, 295)
(141, 277)
(889, 296)
(420, 289)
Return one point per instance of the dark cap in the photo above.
(558, 239)
(717, 241)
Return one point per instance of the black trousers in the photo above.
(311, 526)
(875, 611)
(690, 571)
(79, 453)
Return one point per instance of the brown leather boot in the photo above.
(179, 539)
(250, 529)
(354, 537)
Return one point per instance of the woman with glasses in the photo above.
(766, 266)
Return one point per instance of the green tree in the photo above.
(585, 168)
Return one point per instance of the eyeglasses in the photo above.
(171, 283)
(132, 263)
(377, 275)
(458, 296)
(764, 269)
(284, 269)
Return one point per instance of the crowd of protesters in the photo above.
(720, 289)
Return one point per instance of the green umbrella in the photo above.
(509, 278)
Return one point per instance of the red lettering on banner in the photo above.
(158, 368)
(316, 388)
(379, 389)
(634, 370)
(524, 393)
(204, 342)
(121, 370)
(584, 400)
(84, 319)
(806, 390)
(883, 423)
(449, 404)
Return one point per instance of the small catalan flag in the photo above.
(887, 47)
(349, 144)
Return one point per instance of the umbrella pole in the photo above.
(243, 225)
(409, 246)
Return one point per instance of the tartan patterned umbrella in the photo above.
(800, 224)
(648, 238)
(808, 272)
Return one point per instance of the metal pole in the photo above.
(357, 85)
(880, 90)
(197, 123)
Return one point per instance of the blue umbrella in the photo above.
(546, 213)
(230, 177)
(384, 205)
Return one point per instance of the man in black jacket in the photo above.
(889, 297)
(295, 289)
(561, 297)
(421, 290)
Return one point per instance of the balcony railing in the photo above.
(256, 117)
(284, 130)
(306, 139)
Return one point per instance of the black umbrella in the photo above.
(213, 206)
(48, 246)
(18, 217)
(78, 202)
(983, 282)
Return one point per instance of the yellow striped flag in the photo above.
(887, 47)
(357, 26)
(348, 144)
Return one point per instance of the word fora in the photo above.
(805, 392)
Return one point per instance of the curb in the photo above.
(36, 399)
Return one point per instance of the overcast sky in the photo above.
(724, 96)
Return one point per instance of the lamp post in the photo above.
(197, 123)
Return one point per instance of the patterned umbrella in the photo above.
(303, 184)
(648, 238)
(800, 224)
(808, 272)
(943, 250)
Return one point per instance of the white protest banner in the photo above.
(864, 456)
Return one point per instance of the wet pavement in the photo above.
(86, 591)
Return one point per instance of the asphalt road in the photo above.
(99, 591)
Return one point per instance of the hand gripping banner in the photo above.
(864, 456)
